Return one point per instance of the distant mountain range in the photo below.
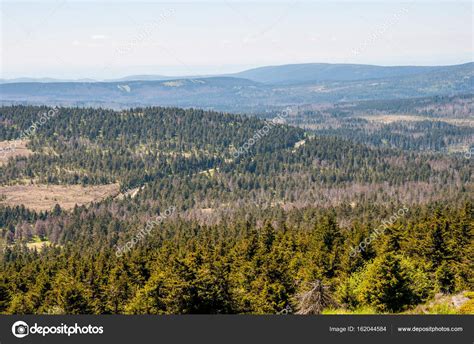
(251, 90)
(284, 74)
(321, 72)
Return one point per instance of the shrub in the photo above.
(388, 284)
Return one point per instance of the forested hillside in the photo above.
(441, 123)
(239, 266)
(254, 90)
(220, 213)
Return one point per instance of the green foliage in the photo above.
(385, 285)
(359, 310)
(250, 255)
(445, 278)
(239, 267)
(389, 284)
(467, 307)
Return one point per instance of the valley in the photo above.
(249, 231)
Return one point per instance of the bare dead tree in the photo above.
(315, 300)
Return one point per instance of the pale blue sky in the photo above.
(105, 39)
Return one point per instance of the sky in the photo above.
(110, 39)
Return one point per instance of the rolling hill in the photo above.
(254, 90)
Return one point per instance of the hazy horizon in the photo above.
(226, 71)
(105, 40)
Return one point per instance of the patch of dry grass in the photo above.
(38, 245)
(391, 118)
(10, 149)
(45, 197)
(460, 303)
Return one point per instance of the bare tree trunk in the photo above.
(315, 300)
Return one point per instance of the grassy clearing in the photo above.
(45, 197)
(341, 311)
(387, 119)
(38, 245)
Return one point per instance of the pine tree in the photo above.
(386, 285)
